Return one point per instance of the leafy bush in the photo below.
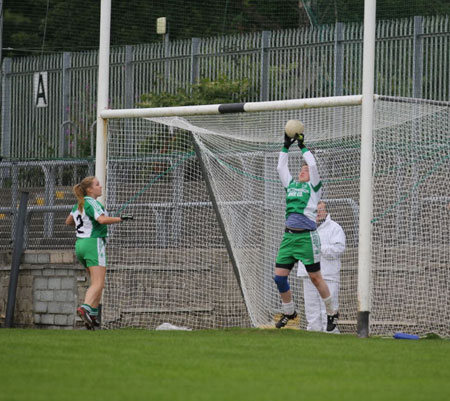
(223, 90)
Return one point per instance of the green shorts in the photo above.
(304, 246)
(91, 251)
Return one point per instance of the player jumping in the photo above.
(300, 241)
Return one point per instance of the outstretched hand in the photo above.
(301, 139)
(288, 141)
(126, 217)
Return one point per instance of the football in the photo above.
(294, 128)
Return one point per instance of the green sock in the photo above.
(94, 312)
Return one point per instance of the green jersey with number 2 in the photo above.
(86, 221)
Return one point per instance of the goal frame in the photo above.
(367, 101)
(364, 244)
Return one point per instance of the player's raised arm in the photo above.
(311, 162)
(283, 170)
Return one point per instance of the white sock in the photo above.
(329, 305)
(288, 309)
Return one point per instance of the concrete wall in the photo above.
(52, 283)
(51, 286)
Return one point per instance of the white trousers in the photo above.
(315, 312)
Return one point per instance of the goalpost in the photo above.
(209, 211)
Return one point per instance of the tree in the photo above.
(74, 25)
(323, 12)
(21, 26)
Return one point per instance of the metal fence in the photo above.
(412, 60)
(49, 185)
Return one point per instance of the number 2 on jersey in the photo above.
(79, 225)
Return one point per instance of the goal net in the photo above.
(209, 208)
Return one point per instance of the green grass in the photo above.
(235, 364)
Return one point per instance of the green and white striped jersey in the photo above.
(86, 222)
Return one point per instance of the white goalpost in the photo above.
(102, 92)
(365, 192)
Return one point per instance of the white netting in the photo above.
(171, 263)
(411, 238)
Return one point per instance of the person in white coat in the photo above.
(332, 240)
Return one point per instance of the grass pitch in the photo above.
(234, 364)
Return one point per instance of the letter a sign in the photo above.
(40, 89)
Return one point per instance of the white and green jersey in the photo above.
(301, 197)
(86, 221)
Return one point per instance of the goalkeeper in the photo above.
(90, 219)
(300, 241)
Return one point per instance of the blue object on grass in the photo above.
(405, 336)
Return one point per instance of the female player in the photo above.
(90, 219)
(300, 241)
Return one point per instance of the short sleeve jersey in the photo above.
(86, 221)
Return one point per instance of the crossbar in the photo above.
(249, 107)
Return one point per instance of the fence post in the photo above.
(167, 60)
(265, 40)
(6, 108)
(15, 263)
(338, 73)
(66, 84)
(14, 194)
(338, 59)
(50, 191)
(195, 44)
(418, 57)
(129, 90)
(129, 82)
(417, 93)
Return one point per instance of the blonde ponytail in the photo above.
(80, 191)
